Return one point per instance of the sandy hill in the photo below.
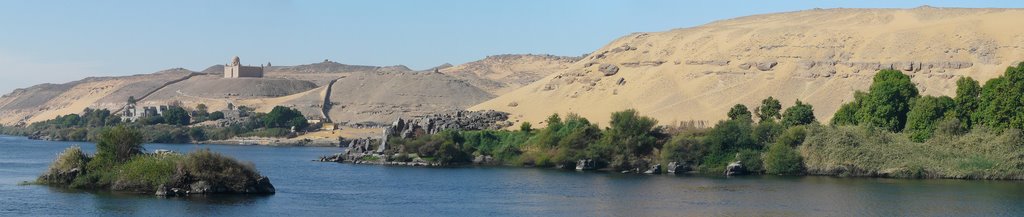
(328, 66)
(357, 93)
(818, 56)
(500, 74)
(46, 101)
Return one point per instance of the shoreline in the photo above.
(691, 173)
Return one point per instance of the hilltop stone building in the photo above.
(236, 70)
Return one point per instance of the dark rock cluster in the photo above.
(453, 120)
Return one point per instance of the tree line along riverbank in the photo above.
(888, 131)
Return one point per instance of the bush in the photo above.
(798, 114)
(767, 131)
(284, 117)
(217, 115)
(863, 151)
(145, 172)
(197, 134)
(629, 139)
(769, 110)
(751, 159)
(70, 159)
(730, 136)
(177, 116)
(218, 170)
(794, 136)
(739, 112)
(781, 159)
(682, 148)
(926, 112)
(119, 144)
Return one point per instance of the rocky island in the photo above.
(121, 165)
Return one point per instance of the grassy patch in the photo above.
(861, 151)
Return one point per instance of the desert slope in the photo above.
(500, 74)
(359, 94)
(818, 56)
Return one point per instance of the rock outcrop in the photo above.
(453, 120)
(608, 69)
(735, 168)
(188, 185)
(656, 169)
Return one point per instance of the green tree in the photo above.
(925, 114)
(284, 117)
(197, 134)
(888, 101)
(793, 137)
(740, 112)
(847, 113)
(769, 110)
(730, 136)
(201, 108)
(1001, 101)
(525, 127)
(217, 115)
(781, 159)
(118, 144)
(767, 131)
(682, 148)
(176, 116)
(629, 137)
(554, 122)
(798, 114)
(967, 92)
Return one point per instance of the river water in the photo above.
(307, 188)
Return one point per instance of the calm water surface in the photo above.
(306, 188)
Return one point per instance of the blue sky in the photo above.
(60, 41)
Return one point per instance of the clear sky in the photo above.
(60, 41)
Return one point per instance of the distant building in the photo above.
(131, 112)
(236, 70)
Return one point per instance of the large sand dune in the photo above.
(818, 56)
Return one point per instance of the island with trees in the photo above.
(121, 164)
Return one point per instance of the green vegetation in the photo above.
(740, 112)
(799, 114)
(888, 131)
(769, 110)
(632, 141)
(925, 114)
(284, 117)
(177, 116)
(864, 151)
(120, 165)
(173, 126)
(885, 105)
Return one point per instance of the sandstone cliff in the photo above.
(818, 56)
